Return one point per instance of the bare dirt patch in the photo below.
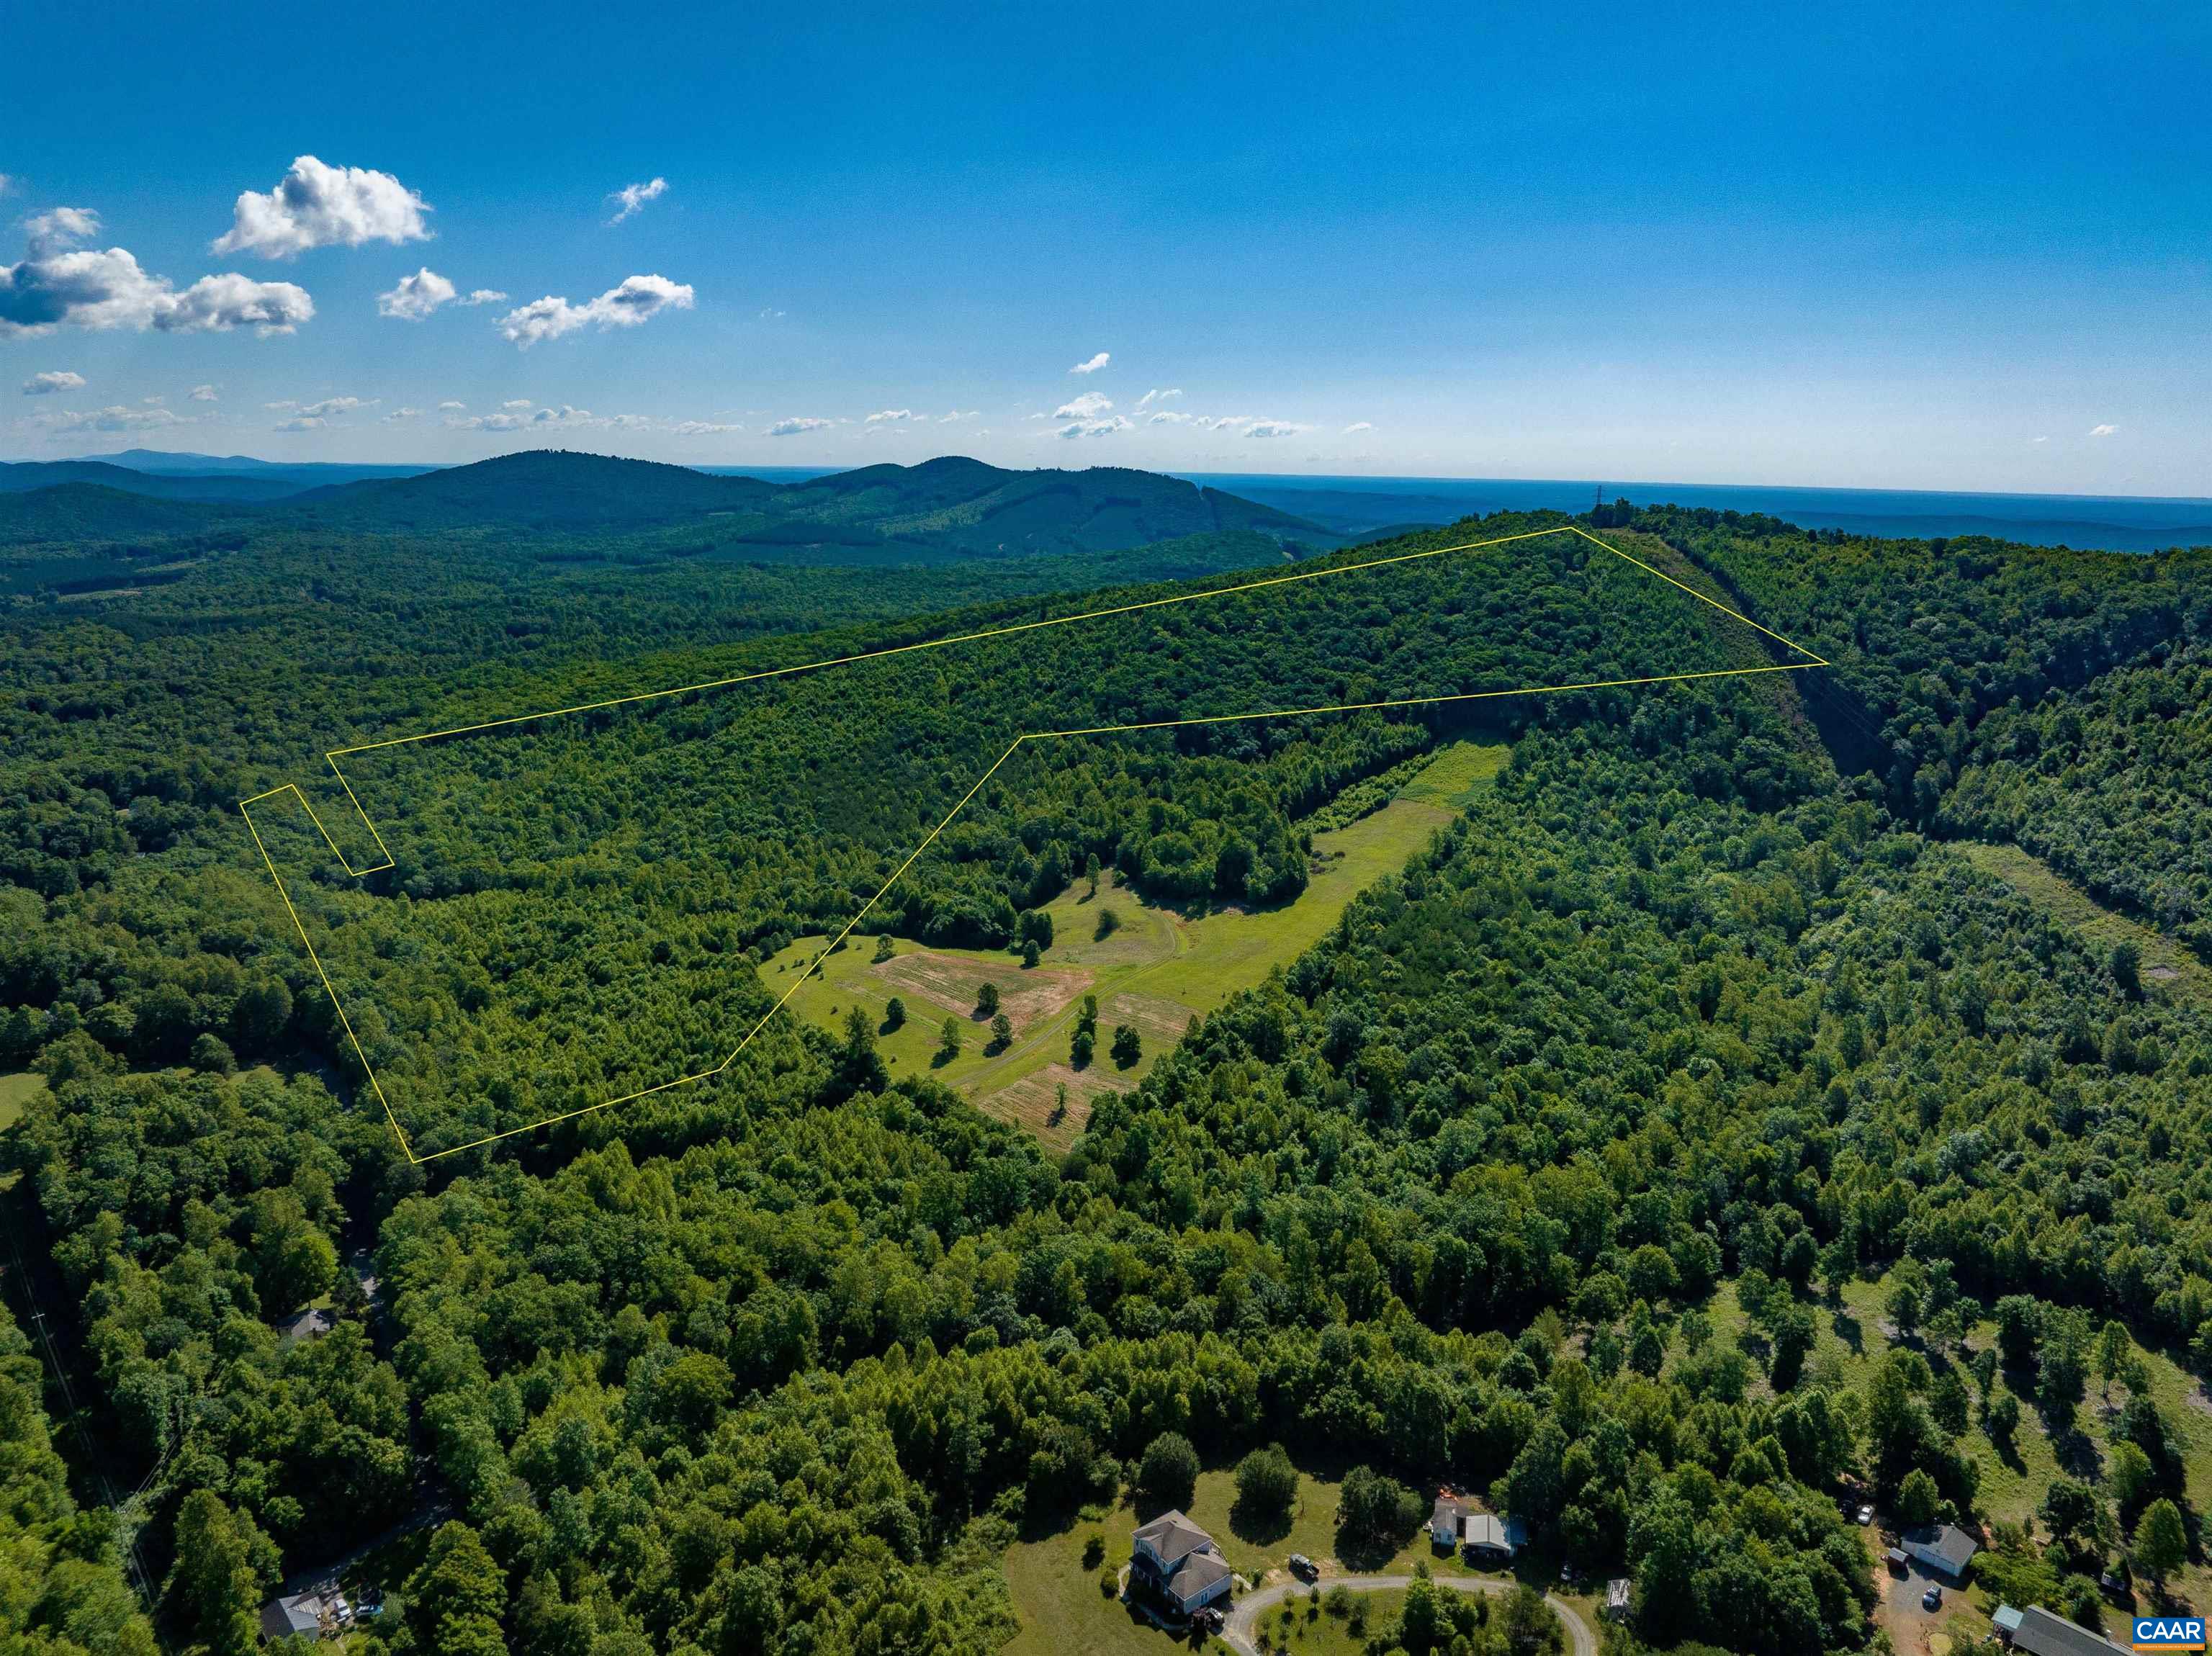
(951, 982)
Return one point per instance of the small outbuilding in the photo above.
(1488, 1537)
(1620, 1594)
(1444, 1522)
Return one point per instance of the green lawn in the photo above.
(1308, 1630)
(1253, 1549)
(1062, 1611)
(1156, 970)
(15, 1091)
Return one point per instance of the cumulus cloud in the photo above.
(45, 385)
(1153, 397)
(60, 229)
(330, 406)
(885, 416)
(517, 403)
(451, 402)
(958, 413)
(1105, 428)
(304, 422)
(1089, 406)
(484, 296)
(796, 425)
(1359, 425)
(398, 415)
(2102, 430)
(1275, 428)
(318, 206)
(1094, 364)
(58, 284)
(521, 416)
(117, 418)
(204, 394)
(701, 427)
(415, 296)
(637, 300)
(1171, 417)
(635, 196)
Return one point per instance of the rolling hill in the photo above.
(949, 506)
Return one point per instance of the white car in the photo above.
(1866, 1515)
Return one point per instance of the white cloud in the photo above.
(1089, 406)
(1169, 417)
(318, 206)
(45, 385)
(484, 296)
(883, 416)
(153, 401)
(415, 296)
(453, 403)
(1094, 364)
(59, 284)
(637, 300)
(1105, 427)
(398, 415)
(796, 425)
(2102, 430)
(1275, 428)
(520, 416)
(1358, 424)
(518, 402)
(204, 394)
(959, 413)
(304, 422)
(117, 418)
(701, 427)
(1153, 397)
(771, 315)
(635, 196)
(60, 229)
(330, 406)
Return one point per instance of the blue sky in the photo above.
(1920, 246)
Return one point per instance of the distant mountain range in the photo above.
(949, 506)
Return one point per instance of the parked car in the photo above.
(1932, 1599)
(1304, 1567)
(1207, 1621)
(1866, 1515)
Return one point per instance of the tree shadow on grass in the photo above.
(1259, 1527)
(1847, 1328)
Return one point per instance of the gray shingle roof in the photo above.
(2042, 1634)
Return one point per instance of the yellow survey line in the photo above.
(332, 757)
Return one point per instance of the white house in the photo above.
(1174, 1556)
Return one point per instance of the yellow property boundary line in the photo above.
(333, 756)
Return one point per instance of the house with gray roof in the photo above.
(2041, 1633)
(1944, 1548)
(1175, 1558)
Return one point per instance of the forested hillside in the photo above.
(1551, 1174)
(2050, 697)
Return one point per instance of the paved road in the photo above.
(1242, 1620)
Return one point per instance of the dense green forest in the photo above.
(1690, 1023)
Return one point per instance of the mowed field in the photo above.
(1155, 971)
(2166, 963)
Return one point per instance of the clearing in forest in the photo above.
(1149, 1005)
(1158, 969)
